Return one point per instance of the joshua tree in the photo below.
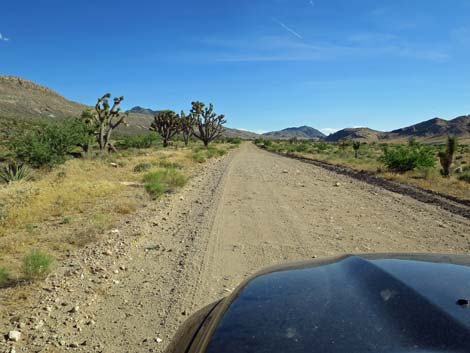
(188, 122)
(88, 121)
(167, 123)
(104, 120)
(209, 124)
(356, 145)
(447, 157)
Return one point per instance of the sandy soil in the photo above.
(246, 211)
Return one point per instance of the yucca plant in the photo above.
(15, 172)
(447, 157)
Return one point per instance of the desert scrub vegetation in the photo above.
(201, 153)
(142, 167)
(4, 276)
(408, 162)
(163, 181)
(49, 144)
(75, 203)
(64, 183)
(14, 172)
(36, 265)
(138, 141)
(401, 159)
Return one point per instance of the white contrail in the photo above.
(2, 37)
(290, 30)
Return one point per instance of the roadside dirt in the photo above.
(251, 209)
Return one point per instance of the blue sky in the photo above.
(266, 64)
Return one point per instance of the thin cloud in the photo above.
(3, 38)
(288, 29)
(328, 130)
(260, 132)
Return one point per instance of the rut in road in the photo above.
(237, 215)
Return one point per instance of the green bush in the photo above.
(138, 141)
(201, 153)
(164, 163)
(15, 172)
(142, 167)
(401, 159)
(263, 142)
(163, 181)
(4, 276)
(322, 146)
(234, 140)
(303, 147)
(198, 157)
(36, 265)
(50, 143)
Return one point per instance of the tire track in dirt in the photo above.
(237, 215)
(274, 209)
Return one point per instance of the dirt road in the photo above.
(249, 210)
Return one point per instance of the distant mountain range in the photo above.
(433, 130)
(23, 100)
(302, 132)
(145, 111)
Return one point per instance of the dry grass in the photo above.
(76, 203)
(429, 179)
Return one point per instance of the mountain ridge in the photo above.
(432, 130)
(24, 100)
(302, 132)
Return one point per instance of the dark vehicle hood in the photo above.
(353, 304)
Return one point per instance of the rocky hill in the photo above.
(143, 111)
(431, 131)
(23, 100)
(302, 132)
(435, 128)
(20, 98)
(362, 134)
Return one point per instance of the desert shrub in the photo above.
(215, 152)
(263, 142)
(36, 265)
(322, 146)
(4, 276)
(138, 141)
(446, 157)
(294, 139)
(465, 174)
(428, 173)
(267, 143)
(201, 153)
(164, 163)
(15, 172)
(142, 167)
(198, 157)
(50, 143)
(234, 140)
(401, 159)
(302, 147)
(163, 181)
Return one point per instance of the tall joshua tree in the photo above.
(447, 157)
(104, 120)
(188, 122)
(167, 123)
(209, 124)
